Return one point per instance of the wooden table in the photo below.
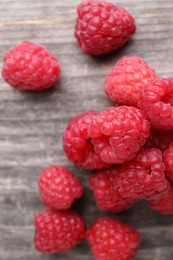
(31, 124)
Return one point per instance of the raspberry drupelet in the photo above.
(156, 100)
(57, 231)
(58, 187)
(144, 177)
(106, 193)
(111, 239)
(163, 206)
(168, 160)
(126, 79)
(118, 133)
(77, 143)
(29, 66)
(102, 27)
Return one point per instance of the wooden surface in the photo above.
(31, 124)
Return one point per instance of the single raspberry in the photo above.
(144, 177)
(57, 231)
(77, 143)
(111, 239)
(126, 79)
(58, 187)
(163, 206)
(156, 101)
(118, 133)
(102, 27)
(106, 192)
(168, 160)
(160, 139)
(29, 66)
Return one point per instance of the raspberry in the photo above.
(126, 79)
(29, 66)
(77, 143)
(168, 160)
(106, 193)
(156, 101)
(111, 239)
(118, 133)
(58, 187)
(163, 206)
(102, 27)
(144, 177)
(160, 139)
(57, 231)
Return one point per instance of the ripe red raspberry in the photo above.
(118, 133)
(168, 160)
(29, 66)
(102, 27)
(163, 206)
(58, 187)
(77, 143)
(144, 177)
(160, 139)
(156, 101)
(106, 192)
(111, 239)
(57, 231)
(126, 79)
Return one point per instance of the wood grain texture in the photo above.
(31, 124)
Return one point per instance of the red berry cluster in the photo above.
(139, 160)
(129, 146)
(100, 28)
(58, 229)
(132, 161)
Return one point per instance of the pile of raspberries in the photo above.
(129, 146)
